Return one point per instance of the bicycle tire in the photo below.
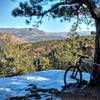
(70, 69)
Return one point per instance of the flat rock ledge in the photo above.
(34, 93)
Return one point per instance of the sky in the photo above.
(8, 21)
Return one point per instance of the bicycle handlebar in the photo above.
(79, 55)
(82, 56)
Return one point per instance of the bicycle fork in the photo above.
(75, 71)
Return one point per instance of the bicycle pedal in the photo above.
(84, 82)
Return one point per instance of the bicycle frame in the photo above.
(82, 64)
(86, 66)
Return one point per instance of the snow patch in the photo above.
(5, 89)
(37, 78)
(15, 86)
(16, 83)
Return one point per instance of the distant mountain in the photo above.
(35, 35)
(21, 31)
(84, 33)
(5, 38)
(32, 35)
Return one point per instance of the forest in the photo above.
(52, 54)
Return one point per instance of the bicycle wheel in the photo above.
(73, 77)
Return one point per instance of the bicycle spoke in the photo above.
(72, 77)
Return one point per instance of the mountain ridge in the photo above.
(35, 35)
(31, 35)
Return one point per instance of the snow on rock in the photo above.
(15, 86)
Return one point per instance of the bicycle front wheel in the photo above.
(73, 77)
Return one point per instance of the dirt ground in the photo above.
(87, 93)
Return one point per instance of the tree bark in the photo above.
(97, 42)
(97, 51)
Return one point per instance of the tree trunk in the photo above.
(97, 51)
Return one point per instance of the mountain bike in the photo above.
(74, 74)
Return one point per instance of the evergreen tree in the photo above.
(87, 11)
